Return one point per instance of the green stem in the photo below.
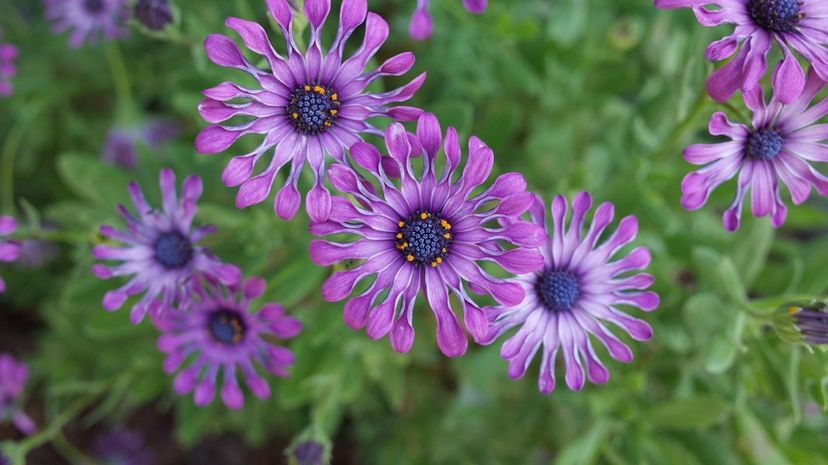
(733, 110)
(8, 153)
(71, 453)
(120, 78)
(71, 237)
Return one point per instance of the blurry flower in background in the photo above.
(121, 146)
(778, 147)
(421, 25)
(9, 250)
(122, 447)
(13, 377)
(154, 14)
(87, 19)
(428, 235)
(4, 460)
(160, 254)
(307, 107)
(578, 290)
(308, 453)
(797, 25)
(803, 323)
(220, 334)
(8, 56)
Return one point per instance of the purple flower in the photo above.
(8, 55)
(4, 460)
(122, 447)
(121, 143)
(9, 250)
(578, 290)
(308, 106)
(154, 14)
(220, 334)
(160, 253)
(424, 234)
(421, 25)
(87, 19)
(778, 147)
(13, 377)
(309, 453)
(798, 25)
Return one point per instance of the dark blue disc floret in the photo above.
(776, 15)
(93, 6)
(764, 144)
(312, 108)
(558, 290)
(173, 250)
(424, 238)
(226, 326)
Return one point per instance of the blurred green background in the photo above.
(597, 95)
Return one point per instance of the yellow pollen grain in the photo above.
(399, 235)
(327, 124)
(295, 115)
(445, 224)
(439, 260)
(792, 310)
(334, 97)
(447, 235)
(319, 90)
(307, 88)
(423, 216)
(443, 250)
(410, 258)
(401, 224)
(334, 112)
(434, 264)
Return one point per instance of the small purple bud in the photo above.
(154, 14)
(309, 453)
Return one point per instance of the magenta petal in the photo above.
(223, 51)
(215, 139)
(287, 202)
(318, 204)
(788, 79)
(232, 395)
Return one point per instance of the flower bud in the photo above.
(308, 453)
(803, 323)
(154, 14)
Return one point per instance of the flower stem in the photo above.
(120, 77)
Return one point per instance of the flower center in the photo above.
(764, 144)
(93, 6)
(226, 326)
(558, 290)
(312, 108)
(173, 250)
(424, 238)
(776, 15)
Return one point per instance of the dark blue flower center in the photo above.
(226, 326)
(424, 237)
(312, 108)
(94, 6)
(764, 144)
(775, 15)
(173, 250)
(558, 290)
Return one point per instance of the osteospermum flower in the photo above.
(8, 56)
(421, 24)
(308, 105)
(575, 294)
(121, 146)
(123, 446)
(220, 334)
(13, 377)
(425, 234)
(795, 25)
(9, 250)
(160, 253)
(87, 19)
(778, 147)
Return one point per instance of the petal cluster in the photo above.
(159, 251)
(578, 291)
(794, 25)
(220, 336)
(778, 148)
(9, 250)
(421, 229)
(421, 25)
(87, 20)
(8, 57)
(306, 105)
(13, 377)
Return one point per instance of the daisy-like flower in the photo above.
(795, 25)
(121, 146)
(161, 255)
(123, 446)
(220, 334)
(421, 24)
(13, 377)
(9, 250)
(8, 56)
(308, 105)
(425, 234)
(575, 294)
(87, 19)
(778, 147)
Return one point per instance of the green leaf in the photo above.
(694, 412)
(585, 449)
(90, 179)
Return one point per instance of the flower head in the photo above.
(13, 377)
(224, 336)
(421, 25)
(8, 56)
(778, 147)
(160, 253)
(572, 297)
(308, 453)
(795, 25)
(154, 14)
(121, 143)
(803, 323)
(122, 447)
(87, 19)
(425, 234)
(308, 105)
(9, 250)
